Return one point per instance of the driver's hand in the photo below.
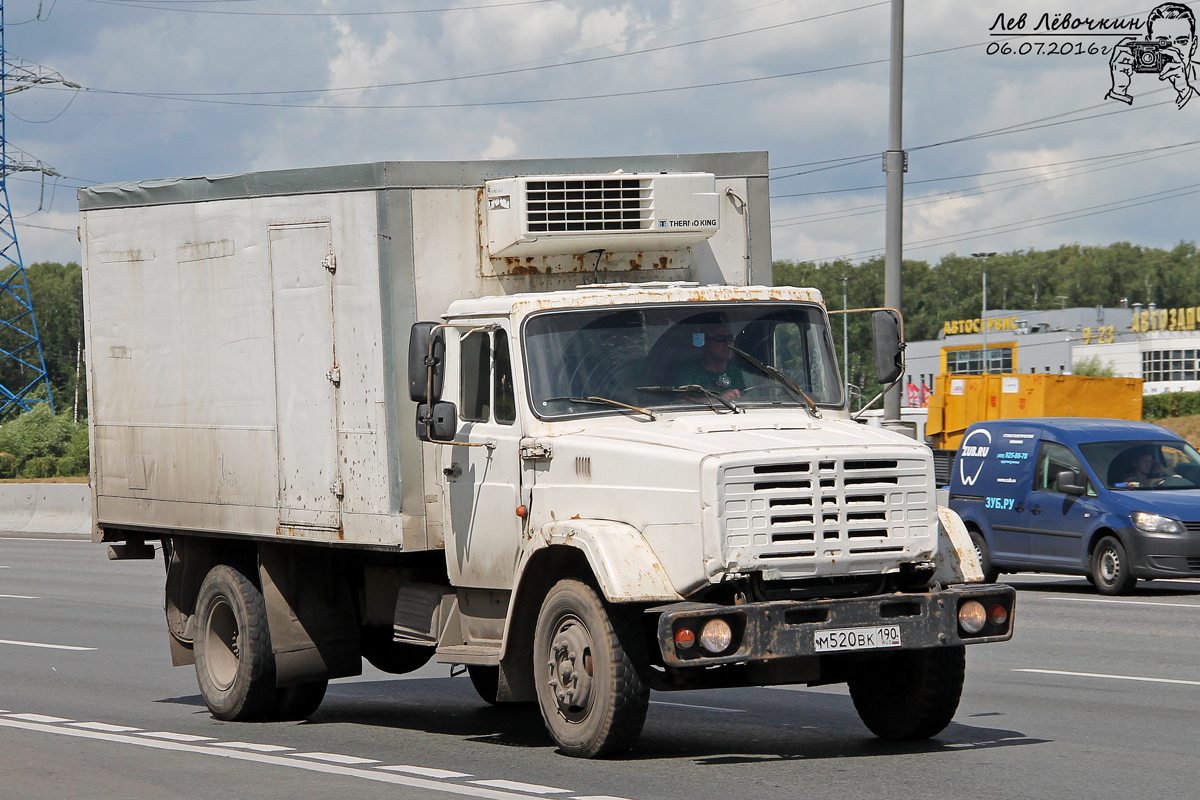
(732, 394)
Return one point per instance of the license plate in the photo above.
(844, 639)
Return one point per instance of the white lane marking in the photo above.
(38, 718)
(42, 539)
(598, 797)
(19, 597)
(517, 786)
(336, 758)
(276, 760)
(1110, 677)
(427, 772)
(103, 726)
(44, 645)
(177, 737)
(706, 708)
(1126, 602)
(254, 746)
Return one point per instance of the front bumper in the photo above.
(1162, 555)
(789, 629)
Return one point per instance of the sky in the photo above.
(1012, 142)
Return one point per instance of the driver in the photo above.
(713, 370)
(1143, 467)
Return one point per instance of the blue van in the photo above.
(1109, 499)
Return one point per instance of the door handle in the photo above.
(1019, 507)
(452, 472)
(1035, 509)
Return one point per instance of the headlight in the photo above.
(972, 617)
(1156, 523)
(716, 636)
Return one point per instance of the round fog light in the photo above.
(716, 636)
(685, 638)
(971, 616)
(998, 614)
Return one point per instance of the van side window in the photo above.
(1052, 459)
(475, 376)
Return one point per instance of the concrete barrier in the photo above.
(53, 508)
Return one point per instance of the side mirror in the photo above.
(888, 345)
(426, 362)
(1069, 481)
(438, 425)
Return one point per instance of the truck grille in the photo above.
(608, 204)
(787, 519)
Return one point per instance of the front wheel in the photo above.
(990, 573)
(587, 663)
(911, 694)
(1111, 568)
(235, 666)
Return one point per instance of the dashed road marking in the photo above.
(38, 718)
(1127, 602)
(254, 747)
(1176, 681)
(19, 597)
(104, 726)
(517, 786)
(176, 737)
(705, 708)
(336, 758)
(427, 772)
(284, 760)
(44, 645)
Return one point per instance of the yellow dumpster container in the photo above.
(959, 400)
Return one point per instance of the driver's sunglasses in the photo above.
(722, 339)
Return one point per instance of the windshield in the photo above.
(1144, 464)
(679, 356)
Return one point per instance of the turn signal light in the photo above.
(972, 617)
(998, 615)
(685, 638)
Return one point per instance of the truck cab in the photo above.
(1112, 500)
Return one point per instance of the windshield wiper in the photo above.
(605, 401)
(693, 388)
(782, 377)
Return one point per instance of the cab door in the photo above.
(1058, 522)
(482, 475)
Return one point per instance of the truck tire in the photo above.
(298, 702)
(386, 655)
(235, 666)
(911, 694)
(1111, 568)
(587, 662)
(990, 573)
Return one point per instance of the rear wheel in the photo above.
(990, 573)
(911, 694)
(1111, 568)
(298, 702)
(587, 661)
(235, 666)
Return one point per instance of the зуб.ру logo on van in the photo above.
(973, 454)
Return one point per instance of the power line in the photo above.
(174, 5)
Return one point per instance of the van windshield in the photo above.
(679, 356)
(1144, 464)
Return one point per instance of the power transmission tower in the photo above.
(22, 360)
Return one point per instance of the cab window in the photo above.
(475, 374)
(1052, 459)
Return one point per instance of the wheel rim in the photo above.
(1110, 565)
(221, 646)
(978, 553)
(571, 669)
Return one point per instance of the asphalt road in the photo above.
(1093, 698)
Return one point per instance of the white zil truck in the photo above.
(539, 418)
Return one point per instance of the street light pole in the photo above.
(895, 163)
(983, 317)
(845, 279)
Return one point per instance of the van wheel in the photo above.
(235, 666)
(911, 694)
(990, 573)
(1111, 570)
(587, 664)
